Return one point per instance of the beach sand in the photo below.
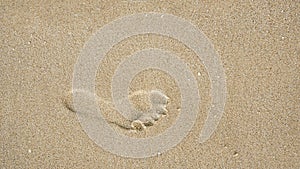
(257, 44)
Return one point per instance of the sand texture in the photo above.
(258, 44)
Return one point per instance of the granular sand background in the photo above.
(258, 44)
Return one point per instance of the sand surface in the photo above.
(258, 44)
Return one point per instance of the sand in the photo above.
(257, 44)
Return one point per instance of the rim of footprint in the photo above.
(85, 100)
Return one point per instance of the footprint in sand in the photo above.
(156, 100)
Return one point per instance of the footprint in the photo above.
(157, 102)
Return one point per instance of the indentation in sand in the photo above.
(151, 106)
